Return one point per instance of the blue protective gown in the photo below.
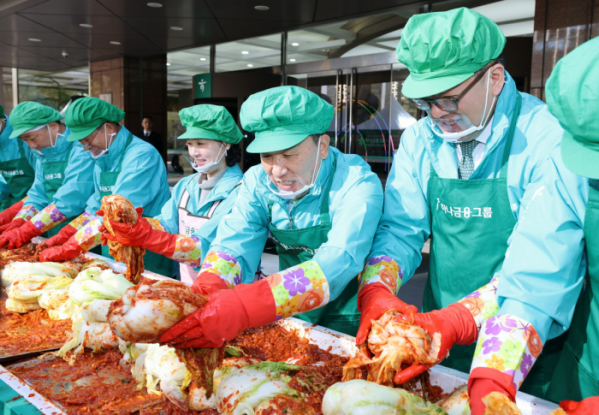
(142, 179)
(9, 150)
(543, 271)
(224, 190)
(71, 197)
(355, 204)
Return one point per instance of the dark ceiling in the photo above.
(142, 30)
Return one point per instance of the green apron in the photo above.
(295, 246)
(577, 373)
(19, 176)
(471, 223)
(53, 179)
(152, 262)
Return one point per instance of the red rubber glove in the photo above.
(208, 283)
(15, 238)
(375, 300)
(224, 316)
(142, 234)
(7, 215)
(69, 250)
(589, 406)
(62, 237)
(483, 381)
(14, 224)
(456, 326)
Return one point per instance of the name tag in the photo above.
(53, 176)
(465, 212)
(12, 172)
(106, 188)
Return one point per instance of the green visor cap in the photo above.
(572, 94)
(211, 122)
(28, 115)
(443, 49)
(283, 117)
(85, 115)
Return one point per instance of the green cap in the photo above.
(443, 49)
(211, 122)
(1, 111)
(28, 115)
(283, 117)
(86, 114)
(571, 93)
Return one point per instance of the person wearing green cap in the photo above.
(464, 176)
(319, 205)
(188, 222)
(124, 165)
(63, 175)
(17, 171)
(572, 94)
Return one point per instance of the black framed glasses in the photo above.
(450, 103)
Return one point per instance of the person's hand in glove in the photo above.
(375, 300)
(62, 237)
(141, 234)
(14, 224)
(69, 250)
(483, 382)
(15, 238)
(589, 406)
(454, 323)
(208, 284)
(7, 215)
(226, 314)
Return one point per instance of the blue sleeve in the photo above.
(78, 184)
(37, 192)
(354, 223)
(243, 232)
(207, 233)
(140, 179)
(544, 268)
(405, 225)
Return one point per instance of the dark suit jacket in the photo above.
(155, 139)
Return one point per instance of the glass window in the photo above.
(257, 52)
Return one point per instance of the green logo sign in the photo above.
(203, 85)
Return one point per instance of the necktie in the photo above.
(466, 167)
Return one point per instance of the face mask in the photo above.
(55, 138)
(206, 168)
(101, 153)
(288, 195)
(463, 122)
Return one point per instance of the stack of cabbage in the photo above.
(91, 293)
(39, 285)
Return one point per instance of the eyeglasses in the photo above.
(450, 103)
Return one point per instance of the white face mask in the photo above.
(208, 167)
(55, 138)
(463, 120)
(288, 195)
(101, 153)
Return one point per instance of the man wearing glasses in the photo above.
(464, 176)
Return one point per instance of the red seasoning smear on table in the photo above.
(29, 332)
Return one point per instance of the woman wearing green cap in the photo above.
(321, 208)
(63, 177)
(17, 171)
(124, 165)
(199, 202)
(572, 93)
(465, 176)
